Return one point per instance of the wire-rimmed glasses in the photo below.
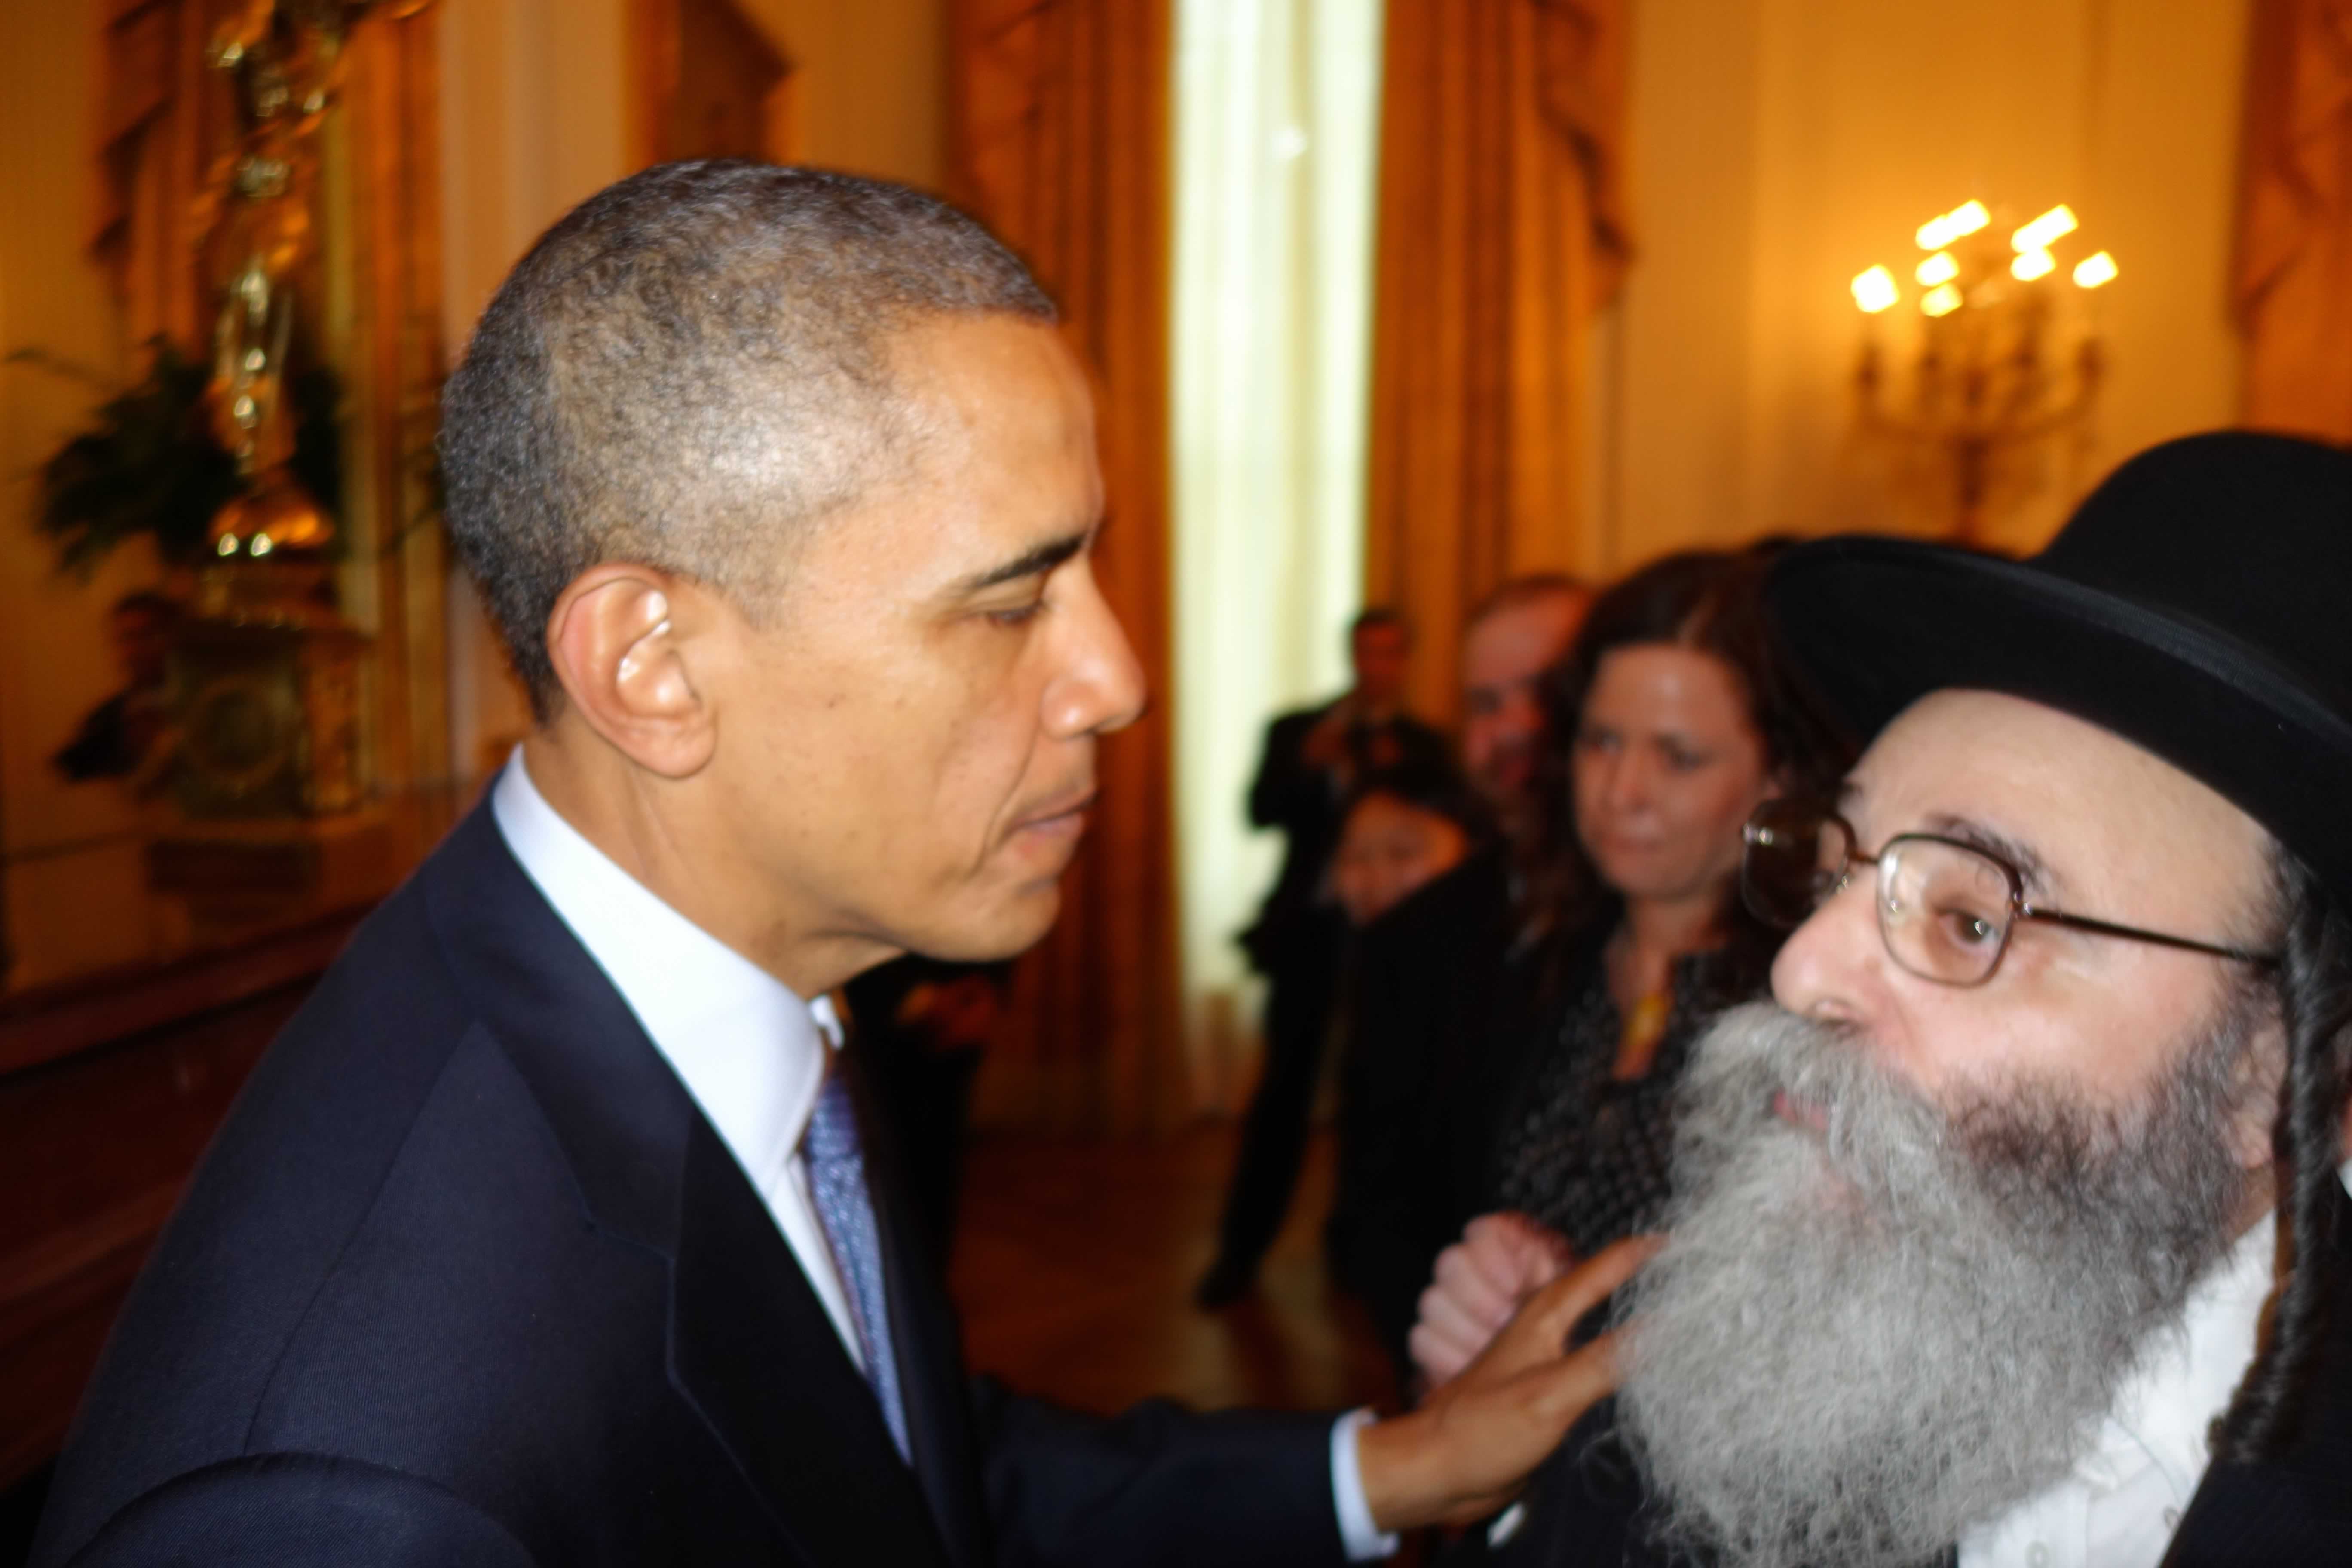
(1945, 908)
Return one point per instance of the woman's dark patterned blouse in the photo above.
(1589, 1156)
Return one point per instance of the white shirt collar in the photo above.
(749, 1049)
(2119, 1505)
(2164, 1413)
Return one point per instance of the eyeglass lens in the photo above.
(1944, 910)
(1795, 857)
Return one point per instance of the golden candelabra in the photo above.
(1992, 380)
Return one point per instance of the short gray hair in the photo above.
(689, 367)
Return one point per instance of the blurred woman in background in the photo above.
(1681, 720)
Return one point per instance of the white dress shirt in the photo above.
(749, 1050)
(751, 1053)
(2120, 1505)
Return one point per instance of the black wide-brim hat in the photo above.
(2199, 604)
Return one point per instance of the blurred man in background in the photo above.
(922, 1026)
(1310, 767)
(1521, 629)
(1434, 981)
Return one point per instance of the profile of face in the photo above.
(1381, 654)
(1667, 765)
(1503, 659)
(1388, 849)
(2080, 1138)
(2099, 827)
(906, 737)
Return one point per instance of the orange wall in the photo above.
(869, 93)
(1779, 147)
(75, 892)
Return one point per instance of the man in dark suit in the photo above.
(547, 1232)
(2011, 1230)
(1440, 987)
(1310, 763)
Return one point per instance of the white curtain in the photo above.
(1276, 124)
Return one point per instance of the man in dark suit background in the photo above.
(545, 1232)
(1310, 762)
(1441, 986)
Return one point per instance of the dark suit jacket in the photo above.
(1428, 991)
(1300, 799)
(1585, 1509)
(466, 1278)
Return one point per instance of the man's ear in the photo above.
(620, 639)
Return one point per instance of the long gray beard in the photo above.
(1854, 1348)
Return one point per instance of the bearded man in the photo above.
(2010, 1230)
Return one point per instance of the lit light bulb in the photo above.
(2031, 265)
(260, 545)
(2051, 226)
(1875, 290)
(1935, 232)
(1941, 300)
(1967, 218)
(2094, 271)
(1938, 269)
(227, 545)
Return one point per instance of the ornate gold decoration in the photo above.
(285, 61)
(270, 670)
(1993, 379)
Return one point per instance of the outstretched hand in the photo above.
(1471, 1445)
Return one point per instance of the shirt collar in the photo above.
(2162, 1415)
(749, 1049)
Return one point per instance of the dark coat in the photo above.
(1429, 998)
(466, 1278)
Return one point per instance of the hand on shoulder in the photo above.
(1472, 1444)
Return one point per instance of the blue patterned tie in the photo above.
(836, 1171)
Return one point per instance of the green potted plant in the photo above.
(152, 462)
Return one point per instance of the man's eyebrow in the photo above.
(2031, 869)
(1035, 562)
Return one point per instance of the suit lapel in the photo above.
(749, 1346)
(754, 1350)
(930, 1364)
